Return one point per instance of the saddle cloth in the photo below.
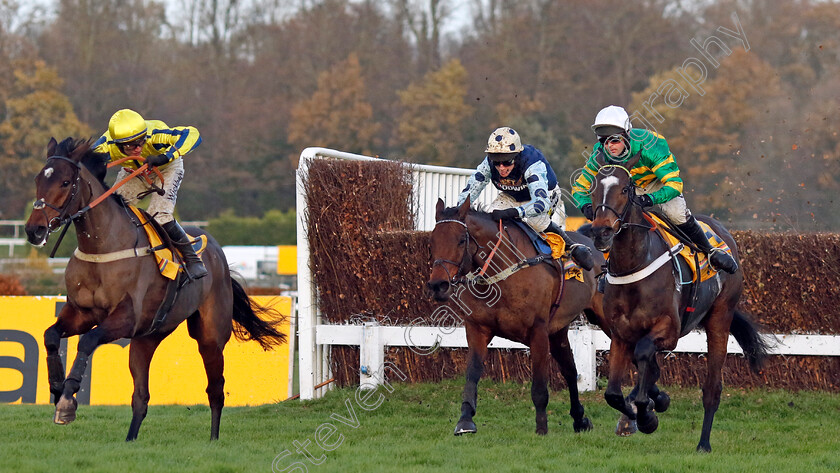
(167, 264)
(687, 254)
(553, 244)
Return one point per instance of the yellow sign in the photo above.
(287, 259)
(252, 376)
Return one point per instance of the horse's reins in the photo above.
(644, 269)
(62, 219)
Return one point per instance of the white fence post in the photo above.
(371, 356)
(583, 350)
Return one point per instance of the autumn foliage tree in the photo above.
(36, 110)
(337, 115)
(432, 111)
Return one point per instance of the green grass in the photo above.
(411, 431)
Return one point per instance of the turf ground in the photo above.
(410, 430)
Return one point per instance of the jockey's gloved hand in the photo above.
(506, 213)
(643, 200)
(157, 160)
(588, 212)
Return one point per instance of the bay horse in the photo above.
(650, 307)
(533, 305)
(119, 296)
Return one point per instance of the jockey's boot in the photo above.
(580, 253)
(195, 268)
(720, 259)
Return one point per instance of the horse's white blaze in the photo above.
(608, 182)
(48, 172)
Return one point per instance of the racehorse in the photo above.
(533, 305)
(119, 296)
(650, 305)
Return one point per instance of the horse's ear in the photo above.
(51, 147)
(633, 160)
(463, 209)
(601, 158)
(439, 208)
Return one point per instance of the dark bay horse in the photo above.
(649, 308)
(519, 307)
(119, 296)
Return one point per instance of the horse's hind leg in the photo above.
(717, 335)
(562, 352)
(477, 340)
(139, 358)
(211, 338)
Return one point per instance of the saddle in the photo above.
(162, 247)
(164, 251)
(552, 244)
(697, 261)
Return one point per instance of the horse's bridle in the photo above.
(62, 218)
(630, 190)
(460, 272)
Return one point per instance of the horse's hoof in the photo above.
(65, 410)
(542, 430)
(648, 424)
(583, 425)
(465, 427)
(662, 401)
(625, 427)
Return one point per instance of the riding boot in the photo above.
(720, 259)
(580, 253)
(195, 268)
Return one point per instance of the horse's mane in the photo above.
(452, 212)
(96, 163)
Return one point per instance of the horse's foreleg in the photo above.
(562, 352)
(55, 367)
(477, 342)
(539, 376)
(645, 355)
(619, 364)
(114, 327)
(139, 358)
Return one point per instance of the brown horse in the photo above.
(650, 307)
(533, 305)
(119, 296)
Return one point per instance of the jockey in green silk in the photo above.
(655, 173)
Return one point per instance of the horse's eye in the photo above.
(462, 241)
(65, 183)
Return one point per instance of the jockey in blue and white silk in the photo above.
(530, 188)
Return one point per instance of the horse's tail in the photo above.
(747, 335)
(249, 325)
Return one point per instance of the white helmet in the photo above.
(611, 120)
(504, 140)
